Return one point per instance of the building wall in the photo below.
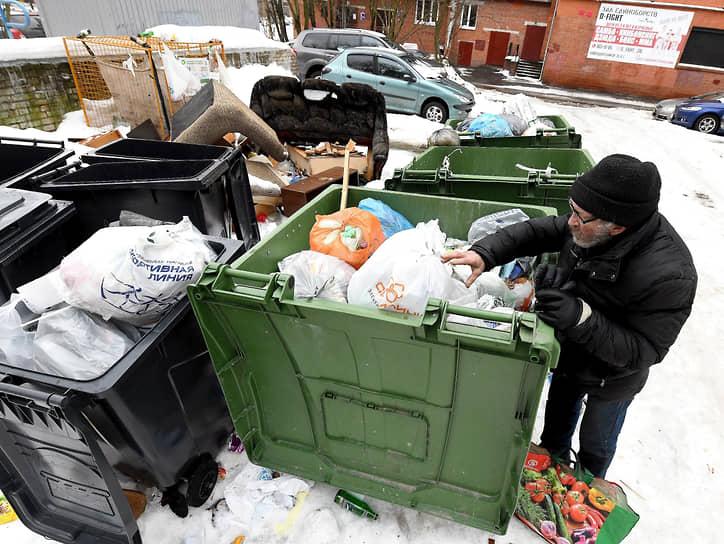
(131, 17)
(499, 15)
(567, 65)
(503, 16)
(36, 95)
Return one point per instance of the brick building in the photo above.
(641, 47)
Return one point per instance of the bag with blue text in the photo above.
(134, 274)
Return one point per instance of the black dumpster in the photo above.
(157, 416)
(23, 157)
(202, 189)
(32, 240)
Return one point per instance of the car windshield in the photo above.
(716, 96)
(424, 68)
(391, 44)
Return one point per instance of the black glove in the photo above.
(549, 276)
(560, 308)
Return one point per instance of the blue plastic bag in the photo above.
(391, 221)
(490, 126)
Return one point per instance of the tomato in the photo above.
(559, 498)
(574, 497)
(537, 492)
(544, 484)
(579, 512)
(566, 477)
(565, 509)
(580, 486)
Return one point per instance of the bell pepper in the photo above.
(600, 501)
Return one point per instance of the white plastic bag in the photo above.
(405, 272)
(16, 344)
(181, 82)
(134, 274)
(74, 344)
(317, 275)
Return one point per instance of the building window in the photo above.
(469, 15)
(705, 47)
(426, 11)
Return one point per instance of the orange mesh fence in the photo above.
(122, 81)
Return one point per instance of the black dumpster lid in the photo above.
(19, 208)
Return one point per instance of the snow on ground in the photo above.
(232, 36)
(670, 450)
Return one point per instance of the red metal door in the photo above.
(497, 48)
(465, 53)
(533, 42)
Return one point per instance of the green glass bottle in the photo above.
(354, 505)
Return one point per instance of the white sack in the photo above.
(134, 274)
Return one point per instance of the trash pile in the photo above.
(373, 256)
(78, 320)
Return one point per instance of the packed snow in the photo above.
(671, 444)
(232, 36)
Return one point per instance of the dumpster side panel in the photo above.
(415, 410)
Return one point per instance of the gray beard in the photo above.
(600, 237)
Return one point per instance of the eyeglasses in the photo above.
(578, 215)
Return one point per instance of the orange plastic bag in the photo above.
(352, 235)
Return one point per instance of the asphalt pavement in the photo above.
(494, 77)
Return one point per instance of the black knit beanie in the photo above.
(620, 188)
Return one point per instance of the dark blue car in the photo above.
(702, 115)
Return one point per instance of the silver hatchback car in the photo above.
(315, 47)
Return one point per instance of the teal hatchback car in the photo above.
(408, 83)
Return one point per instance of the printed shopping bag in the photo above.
(7, 514)
(564, 504)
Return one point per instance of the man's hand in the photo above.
(549, 276)
(470, 258)
(559, 307)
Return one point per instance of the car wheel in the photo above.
(435, 111)
(708, 124)
(314, 73)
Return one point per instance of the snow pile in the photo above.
(242, 80)
(233, 37)
(23, 51)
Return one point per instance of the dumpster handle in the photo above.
(262, 293)
(42, 399)
(487, 315)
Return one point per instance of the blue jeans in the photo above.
(600, 427)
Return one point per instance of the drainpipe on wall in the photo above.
(548, 42)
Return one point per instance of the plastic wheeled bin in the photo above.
(536, 176)
(414, 410)
(23, 157)
(157, 416)
(563, 135)
(203, 190)
(136, 149)
(32, 239)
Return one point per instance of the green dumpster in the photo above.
(533, 176)
(414, 410)
(563, 135)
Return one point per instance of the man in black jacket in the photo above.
(622, 290)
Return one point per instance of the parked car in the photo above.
(315, 47)
(665, 109)
(702, 115)
(409, 84)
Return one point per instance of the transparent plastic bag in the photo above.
(16, 344)
(494, 222)
(317, 275)
(78, 345)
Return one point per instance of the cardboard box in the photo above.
(99, 140)
(261, 167)
(296, 195)
(314, 163)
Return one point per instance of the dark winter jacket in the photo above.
(640, 287)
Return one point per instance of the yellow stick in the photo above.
(345, 176)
